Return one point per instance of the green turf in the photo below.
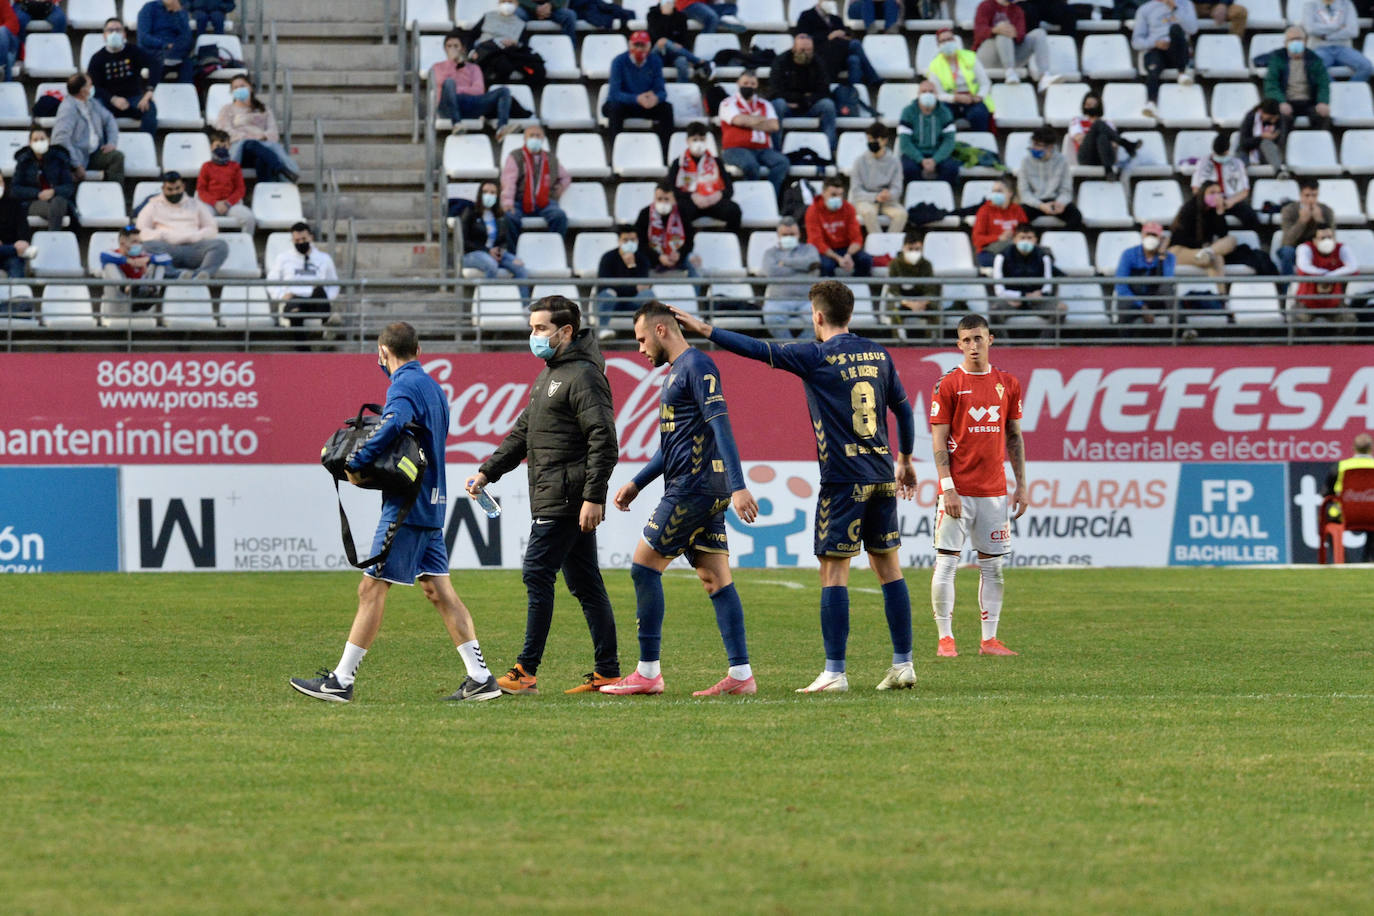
(1169, 740)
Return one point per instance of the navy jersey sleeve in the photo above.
(900, 406)
(797, 358)
(710, 398)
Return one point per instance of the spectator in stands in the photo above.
(1055, 12)
(700, 183)
(220, 184)
(10, 42)
(636, 90)
(1001, 40)
(460, 91)
(926, 138)
(118, 71)
(600, 14)
(786, 305)
(1261, 136)
(1323, 259)
(43, 180)
(1233, 16)
(1332, 27)
(1163, 29)
(832, 225)
(875, 182)
(800, 84)
(962, 83)
(135, 275)
(555, 11)
(668, 31)
(87, 131)
(164, 31)
(15, 234)
(994, 226)
(183, 227)
(501, 51)
(208, 15)
(748, 125)
(1199, 236)
(1335, 483)
(532, 180)
(1046, 182)
(840, 52)
(1097, 139)
(49, 11)
(625, 263)
(1144, 260)
(1298, 81)
(712, 14)
(867, 10)
(1229, 172)
(253, 138)
(1024, 272)
(303, 274)
(1298, 222)
(916, 300)
(664, 236)
(488, 245)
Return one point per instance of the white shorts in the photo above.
(982, 520)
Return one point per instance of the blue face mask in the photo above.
(135, 250)
(998, 199)
(542, 347)
(240, 94)
(1037, 154)
(1025, 246)
(381, 364)
(1295, 47)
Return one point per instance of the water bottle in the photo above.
(490, 506)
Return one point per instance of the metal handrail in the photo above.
(319, 166)
(334, 207)
(272, 39)
(257, 41)
(386, 21)
(429, 183)
(418, 92)
(351, 251)
(288, 92)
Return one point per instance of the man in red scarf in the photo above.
(665, 236)
(700, 183)
(532, 180)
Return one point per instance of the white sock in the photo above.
(740, 672)
(990, 594)
(648, 669)
(347, 670)
(473, 661)
(942, 592)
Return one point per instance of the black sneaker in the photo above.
(476, 690)
(324, 687)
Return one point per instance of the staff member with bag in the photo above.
(417, 549)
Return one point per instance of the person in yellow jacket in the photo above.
(1335, 481)
(961, 82)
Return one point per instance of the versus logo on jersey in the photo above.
(993, 413)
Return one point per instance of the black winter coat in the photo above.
(56, 167)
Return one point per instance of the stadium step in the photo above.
(379, 205)
(307, 105)
(336, 129)
(364, 16)
(354, 156)
(353, 179)
(337, 55)
(330, 79)
(398, 259)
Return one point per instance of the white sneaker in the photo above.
(605, 334)
(1013, 77)
(1206, 256)
(899, 677)
(30, 253)
(1149, 111)
(1048, 80)
(1185, 77)
(827, 682)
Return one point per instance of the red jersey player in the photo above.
(975, 425)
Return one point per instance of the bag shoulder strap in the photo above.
(350, 551)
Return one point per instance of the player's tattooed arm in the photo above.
(1016, 452)
(939, 438)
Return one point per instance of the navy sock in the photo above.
(897, 605)
(730, 620)
(835, 625)
(649, 610)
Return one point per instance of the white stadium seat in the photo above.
(100, 240)
(763, 15)
(805, 139)
(760, 241)
(565, 106)
(884, 243)
(48, 56)
(1230, 102)
(467, 13)
(499, 308)
(1263, 43)
(583, 155)
(588, 247)
(1122, 104)
(428, 52)
(1311, 152)
(58, 255)
(585, 204)
(277, 205)
(1108, 57)
(1107, 253)
(926, 49)
(1084, 304)
(83, 15)
(1070, 251)
(560, 63)
(1183, 107)
(188, 308)
(1272, 190)
(893, 98)
(678, 295)
(597, 53)
(14, 105)
(178, 106)
(638, 155)
(1220, 57)
(952, 251)
(469, 156)
(1064, 57)
(245, 307)
(719, 253)
(758, 203)
(1351, 104)
(1357, 152)
(430, 15)
(1103, 205)
(889, 56)
(101, 205)
(140, 158)
(688, 105)
(67, 308)
(852, 145)
(1016, 105)
(1064, 102)
(1192, 147)
(630, 198)
(243, 258)
(543, 253)
(1150, 161)
(11, 142)
(935, 193)
(185, 153)
(1343, 197)
(1156, 200)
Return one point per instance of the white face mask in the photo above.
(949, 47)
(696, 147)
(39, 147)
(927, 100)
(535, 144)
(663, 207)
(630, 247)
(911, 257)
(1326, 246)
(506, 9)
(115, 42)
(488, 200)
(1150, 243)
(788, 242)
(828, 7)
(1218, 158)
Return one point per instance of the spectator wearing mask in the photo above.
(487, 242)
(961, 82)
(184, 228)
(664, 236)
(303, 275)
(120, 84)
(622, 263)
(1262, 136)
(15, 234)
(832, 225)
(801, 87)
(749, 127)
(792, 266)
(253, 138)
(1229, 172)
(135, 276)
(1163, 29)
(1001, 40)
(1320, 262)
(43, 180)
(1230, 16)
(840, 52)
(10, 42)
(1298, 222)
(555, 11)
(671, 39)
(1199, 236)
(914, 299)
(164, 31)
(1332, 27)
(1024, 272)
(1298, 81)
(636, 90)
(700, 182)
(712, 14)
(207, 16)
(220, 184)
(994, 226)
(460, 90)
(49, 11)
(1148, 259)
(926, 138)
(875, 183)
(1045, 181)
(532, 180)
(87, 131)
(1098, 141)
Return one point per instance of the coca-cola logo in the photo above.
(1357, 496)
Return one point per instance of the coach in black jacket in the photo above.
(567, 432)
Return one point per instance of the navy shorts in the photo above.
(688, 522)
(850, 516)
(414, 552)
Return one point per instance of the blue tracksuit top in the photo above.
(413, 397)
(628, 81)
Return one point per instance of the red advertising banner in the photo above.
(1081, 404)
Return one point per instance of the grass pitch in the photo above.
(1169, 740)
